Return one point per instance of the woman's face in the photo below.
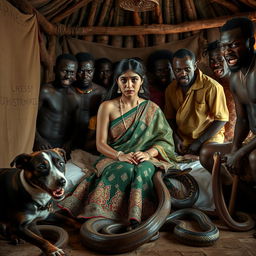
(129, 83)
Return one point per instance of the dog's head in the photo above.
(45, 170)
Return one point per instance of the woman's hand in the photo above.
(129, 158)
(134, 158)
(141, 156)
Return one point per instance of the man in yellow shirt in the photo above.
(195, 105)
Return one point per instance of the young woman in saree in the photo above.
(134, 139)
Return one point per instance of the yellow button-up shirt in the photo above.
(204, 102)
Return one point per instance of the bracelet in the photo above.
(118, 154)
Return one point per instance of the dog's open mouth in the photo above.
(58, 193)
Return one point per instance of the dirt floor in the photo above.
(230, 243)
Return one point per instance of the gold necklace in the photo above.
(122, 113)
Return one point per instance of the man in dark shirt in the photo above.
(160, 75)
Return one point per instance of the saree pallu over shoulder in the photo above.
(147, 128)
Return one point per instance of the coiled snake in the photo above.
(109, 236)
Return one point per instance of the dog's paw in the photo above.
(58, 252)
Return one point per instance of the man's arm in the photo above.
(216, 100)
(212, 129)
(176, 138)
(40, 143)
(239, 150)
(241, 127)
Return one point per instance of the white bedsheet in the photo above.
(75, 174)
(204, 180)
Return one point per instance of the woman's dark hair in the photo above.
(123, 66)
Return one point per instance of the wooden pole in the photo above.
(53, 7)
(71, 10)
(137, 22)
(105, 9)
(160, 29)
(250, 3)
(170, 10)
(159, 39)
(91, 19)
(155, 28)
(232, 7)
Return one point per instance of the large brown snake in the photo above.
(108, 236)
(220, 204)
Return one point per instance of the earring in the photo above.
(118, 90)
(141, 90)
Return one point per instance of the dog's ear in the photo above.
(61, 152)
(21, 161)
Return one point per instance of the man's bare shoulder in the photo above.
(98, 88)
(48, 87)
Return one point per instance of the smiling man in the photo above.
(58, 105)
(237, 45)
(195, 105)
(221, 73)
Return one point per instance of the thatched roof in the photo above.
(101, 20)
(105, 22)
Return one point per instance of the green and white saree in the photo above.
(119, 189)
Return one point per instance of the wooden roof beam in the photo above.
(232, 7)
(155, 28)
(71, 10)
(52, 29)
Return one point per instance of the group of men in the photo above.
(198, 107)
(194, 104)
(67, 104)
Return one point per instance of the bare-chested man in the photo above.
(237, 41)
(58, 104)
(90, 96)
(221, 73)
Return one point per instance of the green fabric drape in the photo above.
(120, 190)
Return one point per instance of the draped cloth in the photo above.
(19, 81)
(117, 188)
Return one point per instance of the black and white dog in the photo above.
(26, 194)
